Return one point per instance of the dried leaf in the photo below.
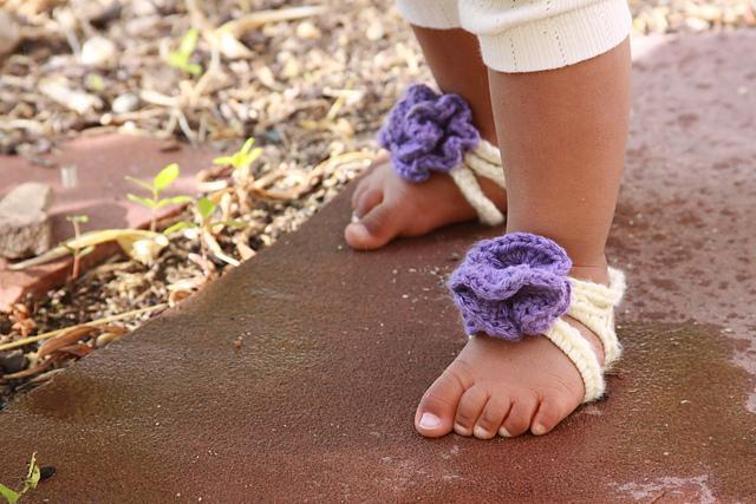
(65, 339)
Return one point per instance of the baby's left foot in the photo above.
(501, 387)
(495, 386)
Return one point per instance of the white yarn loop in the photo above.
(592, 305)
(484, 161)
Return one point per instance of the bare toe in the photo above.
(470, 407)
(377, 228)
(493, 415)
(520, 415)
(552, 410)
(368, 199)
(437, 408)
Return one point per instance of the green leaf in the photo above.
(141, 183)
(205, 207)
(179, 226)
(247, 145)
(166, 177)
(175, 200)
(148, 202)
(223, 161)
(177, 60)
(11, 496)
(192, 68)
(189, 42)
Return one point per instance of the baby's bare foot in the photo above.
(388, 207)
(496, 386)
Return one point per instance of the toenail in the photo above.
(355, 217)
(504, 432)
(461, 429)
(538, 430)
(429, 421)
(480, 432)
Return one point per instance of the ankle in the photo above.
(596, 271)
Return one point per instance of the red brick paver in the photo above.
(337, 348)
(102, 163)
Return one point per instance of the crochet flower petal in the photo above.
(511, 286)
(428, 132)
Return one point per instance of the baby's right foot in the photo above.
(386, 206)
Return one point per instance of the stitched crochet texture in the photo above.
(512, 286)
(426, 131)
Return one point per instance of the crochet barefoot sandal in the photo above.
(427, 132)
(518, 285)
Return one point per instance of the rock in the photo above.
(24, 226)
(127, 102)
(10, 34)
(98, 51)
(12, 362)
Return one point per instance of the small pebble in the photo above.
(127, 102)
(98, 51)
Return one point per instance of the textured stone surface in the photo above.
(100, 192)
(337, 348)
(24, 227)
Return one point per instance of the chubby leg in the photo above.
(386, 205)
(563, 150)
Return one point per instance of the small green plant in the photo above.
(204, 209)
(241, 159)
(181, 58)
(77, 252)
(30, 483)
(160, 183)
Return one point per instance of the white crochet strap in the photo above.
(579, 351)
(484, 161)
(592, 305)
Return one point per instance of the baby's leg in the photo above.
(563, 149)
(386, 205)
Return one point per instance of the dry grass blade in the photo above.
(105, 320)
(26, 373)
(251, 21)
(65, 339)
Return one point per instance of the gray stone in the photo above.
(12, 362)
(24, 226)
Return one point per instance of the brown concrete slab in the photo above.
(338, 346)
(102, 163)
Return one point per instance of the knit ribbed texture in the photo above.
(529, 36)
(438, 14)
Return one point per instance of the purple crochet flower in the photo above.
(428, 132)
(512, 286)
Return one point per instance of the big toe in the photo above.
(436, 411)
(375, 229)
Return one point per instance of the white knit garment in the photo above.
(593, 306)
(529, 35)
